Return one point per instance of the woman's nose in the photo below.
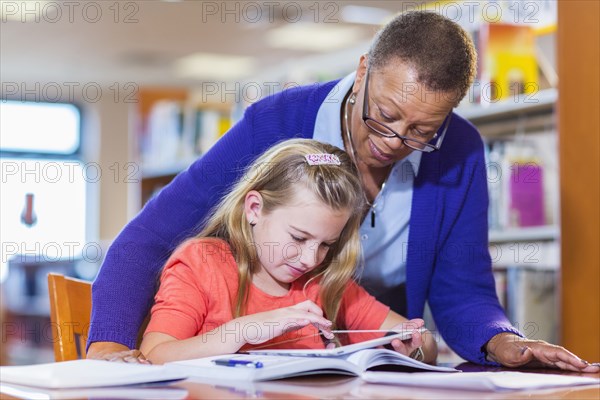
(394, 143)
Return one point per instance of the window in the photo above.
(40, 163)
(48, 128)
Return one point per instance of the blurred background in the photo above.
(104, 102)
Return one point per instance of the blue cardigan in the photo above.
(448, 262)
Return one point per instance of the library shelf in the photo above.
(525, 234)
(174, 127)
(528, 267)
(542, 100)
(525, 260)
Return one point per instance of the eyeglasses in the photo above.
(388, 132)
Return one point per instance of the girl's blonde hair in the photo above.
(276, 175)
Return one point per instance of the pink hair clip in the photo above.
(322, 159)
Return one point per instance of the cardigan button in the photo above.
(364, 237)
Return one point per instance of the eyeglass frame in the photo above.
(427, 147)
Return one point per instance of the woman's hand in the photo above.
(264, 326)
(511, 350)
(117, 352)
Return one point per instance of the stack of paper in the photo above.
(484, 381)
(87, 374)
(158, 391)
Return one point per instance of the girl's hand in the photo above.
(264, 326)
(409, 346)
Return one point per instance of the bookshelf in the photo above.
(526, 259)
(512, 120)
(173, 128)
(521, 129)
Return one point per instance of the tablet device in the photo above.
(345, 342)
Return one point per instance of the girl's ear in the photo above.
(253, 204)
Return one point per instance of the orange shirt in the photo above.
(198, 289)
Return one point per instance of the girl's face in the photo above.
(293, 239)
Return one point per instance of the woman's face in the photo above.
(398, 101)
(292, 240)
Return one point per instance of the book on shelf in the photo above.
(277, 367)
(541, 255)
(209, 126)
(501, 287)
(522, 181)
(160, 143)
(177, 130)
(530, 299)
(532, 302)
(508, 56)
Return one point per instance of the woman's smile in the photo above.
(378, 154)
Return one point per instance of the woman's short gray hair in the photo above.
(440, 51)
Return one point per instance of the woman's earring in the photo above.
(252, 223)
(352, 98)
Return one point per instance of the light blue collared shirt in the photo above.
(384, 269)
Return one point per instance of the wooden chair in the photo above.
(70, 311)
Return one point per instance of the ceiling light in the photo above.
(214, 66)
(312, 37)
(31, 11)
(364, 15)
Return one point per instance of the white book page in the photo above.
(341, 350)
(375, 357)
(273, 367)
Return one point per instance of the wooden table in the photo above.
(311, 387)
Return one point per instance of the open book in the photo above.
(252, 367)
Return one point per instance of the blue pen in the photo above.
(231, 362)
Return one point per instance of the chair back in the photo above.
(70, 311)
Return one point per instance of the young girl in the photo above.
(274, 265)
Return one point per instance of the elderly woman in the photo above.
(424, 235)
